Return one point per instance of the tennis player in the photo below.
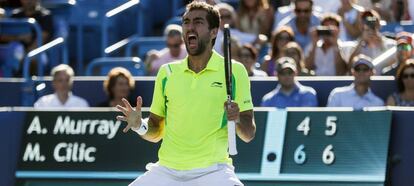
(189, 111)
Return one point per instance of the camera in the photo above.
(323, 31)
(371, 22)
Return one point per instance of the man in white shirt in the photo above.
(62, 84)
(325, 55)
(357, 95)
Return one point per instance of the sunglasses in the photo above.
(177, 45)
(297, 10)
(284, 38)
(286, 72)
(405, 47)
(406, 76)
(361, 69)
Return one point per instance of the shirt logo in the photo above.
(217, 84)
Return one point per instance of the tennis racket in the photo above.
(231, 125)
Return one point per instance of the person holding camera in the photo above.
(324, 55)
(372, 43)
(404, 51)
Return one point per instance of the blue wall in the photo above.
(92, 90)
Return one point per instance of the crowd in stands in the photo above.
(283, 39)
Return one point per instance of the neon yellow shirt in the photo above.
(192, 103)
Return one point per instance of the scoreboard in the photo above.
(292, 147)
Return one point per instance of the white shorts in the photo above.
(157, 175)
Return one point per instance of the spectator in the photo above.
(255, 16)
(372, 43)
(119, 84)
(349, 13)
(228, 16)
(288, 11)
(302, 22)
(293, 50)
(175, 50)
(404, 51)
(358, 94)
(325, 54)
(32, 9)
(405, 83)
(62, 85)
(289, 92)
(279, 39)
(248, 57)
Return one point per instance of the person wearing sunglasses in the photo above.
(280, 37)
(289, 92)
(359, 94)
(404, 52)
(301, 21)
(405, 83)
(174, 51)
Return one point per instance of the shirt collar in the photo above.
(295, 89)
(368, 93)
(213, 63)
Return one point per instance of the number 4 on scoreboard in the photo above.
(304, 126)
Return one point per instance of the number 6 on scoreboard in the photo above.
(328, 156)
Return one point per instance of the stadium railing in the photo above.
(395, 27)
(105, 64)
(137, 46)
(88, 22)
(110, 14)
(90, 88)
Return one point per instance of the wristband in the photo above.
(142, 130)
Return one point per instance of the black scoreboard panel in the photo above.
(336, 143)
(291, 148)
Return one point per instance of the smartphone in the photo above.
(371, 22)
(323, 31)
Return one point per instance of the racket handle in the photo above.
(231, 130)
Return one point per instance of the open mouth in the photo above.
(192, 40)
